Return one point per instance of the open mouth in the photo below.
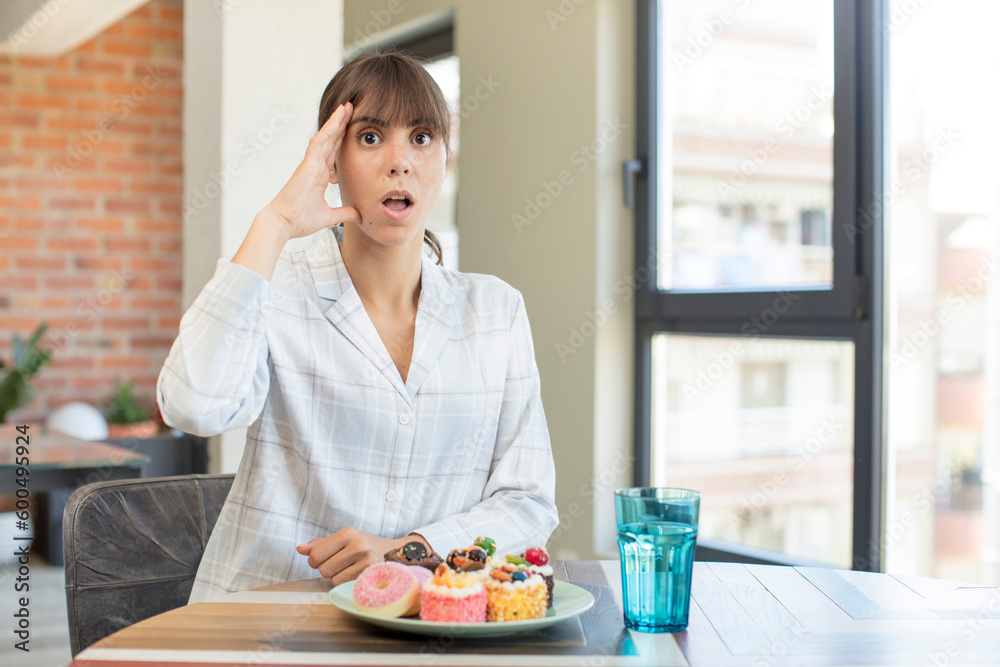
(396, 203)
(397, 206)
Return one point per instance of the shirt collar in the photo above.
(332, 280)
(436, 314)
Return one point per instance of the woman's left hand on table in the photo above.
(341, 557)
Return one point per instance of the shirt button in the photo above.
(391, 496)
(404, 419)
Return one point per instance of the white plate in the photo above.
(567, 601)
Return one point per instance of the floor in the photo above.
(49, 639)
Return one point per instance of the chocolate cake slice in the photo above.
(415, 553)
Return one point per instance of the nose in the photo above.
(399, 158)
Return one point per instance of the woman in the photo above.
(388, 399)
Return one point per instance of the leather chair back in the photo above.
(132, 548)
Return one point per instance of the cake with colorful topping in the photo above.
(513, 594)
(453, 596)
(538, 563)
(533, 561)
(472, 585)
(486, 544)
(467, 560)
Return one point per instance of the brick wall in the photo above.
(90, 206)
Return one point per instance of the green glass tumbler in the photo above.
(657, 529)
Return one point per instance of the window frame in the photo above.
(427, 41)
(851, 310)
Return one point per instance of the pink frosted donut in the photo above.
(386, 589)
(421, 573)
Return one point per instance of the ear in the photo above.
(333, 176)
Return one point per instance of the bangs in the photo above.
(392, 87)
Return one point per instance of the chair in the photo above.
(132, 549)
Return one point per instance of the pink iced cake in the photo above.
(453, 597)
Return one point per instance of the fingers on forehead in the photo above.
(335, 119)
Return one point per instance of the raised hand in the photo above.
(300, 204)
(300, 208)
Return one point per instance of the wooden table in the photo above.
(755, 615)
(59, 463)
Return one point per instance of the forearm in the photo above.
(263, 244)
(216, 375)
(536, 518)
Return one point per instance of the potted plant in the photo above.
(126, 417)
(28, 359)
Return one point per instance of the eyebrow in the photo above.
(378, 122)
(369, 120)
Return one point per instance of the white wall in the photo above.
(254, 72)
(560, 81)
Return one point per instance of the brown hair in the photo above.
(395, 83)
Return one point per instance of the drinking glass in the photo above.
(657, 528)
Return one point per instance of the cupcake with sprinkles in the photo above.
(467, 560)
(513, 594)
(453, 596)
(537, 562)
(489, 558)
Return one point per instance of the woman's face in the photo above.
(391, 175)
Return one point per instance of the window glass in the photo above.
(746, 144)
(443, 220)
(764, 429)
(943, 301)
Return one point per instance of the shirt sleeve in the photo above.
(216, 376)
(518, 509)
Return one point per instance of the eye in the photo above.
(369, 138)
(426, 138)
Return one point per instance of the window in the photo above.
(815, 226)
(444, 220)
(762, 384)
(943, 300)
(759, 142)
